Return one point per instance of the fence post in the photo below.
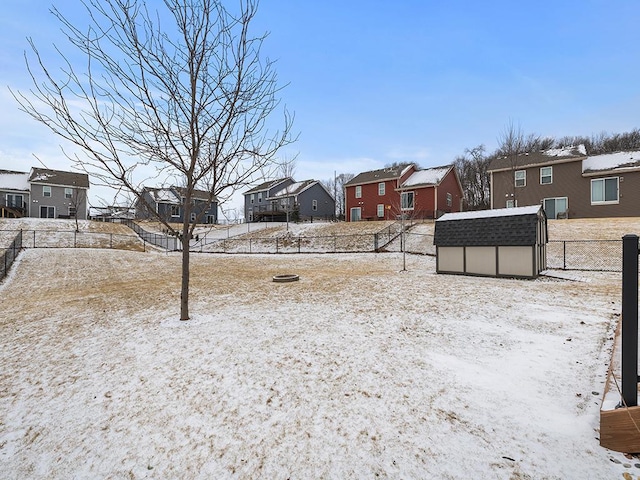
(249, 245)
(298, 244)
(564, 255)
(375, 242)
(630, 320)
(111, 240)
(277, 245)
(74, 238)
(34, 239)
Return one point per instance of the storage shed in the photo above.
(507, 242)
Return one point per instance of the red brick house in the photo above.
(384, 194)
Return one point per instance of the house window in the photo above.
(406, 201)
(314, 205)
(449, 200)
(260, 197)
(46, 191)
(193, 217)
(512, 203)
(381, 189)
(68, 192)
(546, 175)
(605, 190)
(358, 191)
(381, 209)
(521, 178)
(14, 201)
(253, 197)
(72, 212)
(555, 207)
(175, 210)
(356, 214)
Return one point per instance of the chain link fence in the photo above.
(596, 255)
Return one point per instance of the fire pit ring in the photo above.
(286, 278)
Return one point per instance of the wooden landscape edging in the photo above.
(619, 429)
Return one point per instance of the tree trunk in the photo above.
(186, 233)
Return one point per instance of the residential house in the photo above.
(386, 193)
(168, 204)
(58, 194)
(256, 206)
(14, 194)
(301, 201)
(507, 242)
(569, 183)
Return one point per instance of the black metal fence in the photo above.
(9, 254)
(73, 239)
(595, 255)
(161, 240)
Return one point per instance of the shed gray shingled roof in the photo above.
(58, 177)
(502, 229)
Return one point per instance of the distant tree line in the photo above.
(472, 166)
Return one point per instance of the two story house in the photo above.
(284, 198)
(386, 193)
(14, 194)
(168, 204)
(44, 193)
(58, 194)
(568, 183)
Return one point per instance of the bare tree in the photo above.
(182, 95)
(287, 167)
(472, 169)
(511, 143)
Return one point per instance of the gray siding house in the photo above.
(14, 194)
(58, 194)
(279, 200)
(168, 204)
(256, 206)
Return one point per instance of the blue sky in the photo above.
(373, 82)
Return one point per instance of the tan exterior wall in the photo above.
(516, 261)
(451, 259)
(568, 182)
(481, 260)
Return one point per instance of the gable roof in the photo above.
(374, 176)
(619, 161)
(268, 185)
(504, 226)
(294, 189)
(173, 195)
(15, 181)
(427, 177)
(551, 156)
(45, 176)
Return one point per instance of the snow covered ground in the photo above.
(359, 370)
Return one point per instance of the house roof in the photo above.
(268, 185)
(380, 175)
(619, 161)
(294, 189)
(15, 181)
(173, 195)
(504, 227)
(554, 155)
(58, 177)
(197, 194)
(429, 176)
